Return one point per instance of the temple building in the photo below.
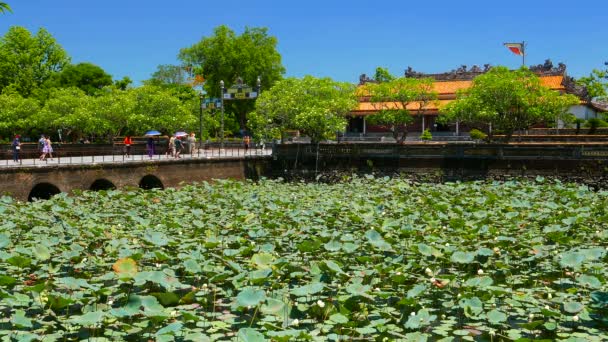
(447, 84)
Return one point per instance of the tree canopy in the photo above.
(508, 100)
(314, 106)
(596, 83)
(392, 97)
(27, 61)
(4, 7)
(111, 113)
(90, 78)
(226, 56)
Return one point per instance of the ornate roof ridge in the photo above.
(463, 73)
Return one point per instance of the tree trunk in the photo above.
(395, 131)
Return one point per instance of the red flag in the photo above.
(516, 48)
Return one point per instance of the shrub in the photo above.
(595, 123)
(426, 135)
(578, 123)
(477, 134)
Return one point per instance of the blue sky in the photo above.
(339, 39)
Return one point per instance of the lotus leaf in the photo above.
(463, 257)
(573, 307)
(250, 297)
(5, 240)
(88, 319)
(572, 259)
(334, 267)
(281, 261)
(496, 316)
(420, 319)
(42, 252)
(250, 335)
(472, 306)
(338, 318)
(307, 290)
(125, 268)
(589, 281)
(170, 329)
(20, 320)
(262, 260)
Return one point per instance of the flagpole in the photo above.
(523, 53)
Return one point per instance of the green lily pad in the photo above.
(462, 257)
(250, 297)
(338, 318)
(19, 320)
(573, 307)
(496, 317)
(125, 268)
(250, 335)
(572, 259)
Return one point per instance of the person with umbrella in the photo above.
(178, 145)
(150, 147)
(150, 143)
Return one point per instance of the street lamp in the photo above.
(200, 121)
(259, 84)
(222, 120)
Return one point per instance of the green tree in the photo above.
(383, 75)
(314, 106)
(176, 79)
(167, 74)
(115, 109)
(90, 78)
(27, 61)
(4, 7)
(15, 113)
(226, 56)
(123, 84)
(70, 110)
(156, 108)
(391, 100)
(508, 101)
(596, 84)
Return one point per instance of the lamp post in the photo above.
(200, 121)
(222, 119)
(258, 84)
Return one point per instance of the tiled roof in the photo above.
(449, 88)
(369, 107)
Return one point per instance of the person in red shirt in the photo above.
(127, 143)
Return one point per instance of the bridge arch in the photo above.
(149, 182)
(102, 184)
(43, 191)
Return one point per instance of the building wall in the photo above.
(583, 112)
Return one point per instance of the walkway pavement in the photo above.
(214, 153)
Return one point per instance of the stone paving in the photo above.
(214, 153)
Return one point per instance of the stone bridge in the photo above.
(42, 182)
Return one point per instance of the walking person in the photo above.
(246, 141)
(41, 143)
(150, 147)
(178, 146)
(171, 147)
(191, 143)
(127, 142)
(47, 150)
(16, 145)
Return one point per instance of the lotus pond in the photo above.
(367, 259)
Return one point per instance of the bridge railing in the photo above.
(29, 155)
